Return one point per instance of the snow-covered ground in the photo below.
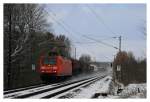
(88, 91)
(101, 86)
(134, 91)
(131, 91)
(104, 86)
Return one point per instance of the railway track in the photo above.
(50, 91)
(21, 89)
(29, 87)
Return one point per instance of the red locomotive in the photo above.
(55, 66)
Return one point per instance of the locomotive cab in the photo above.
(55, 66)
(48, 64)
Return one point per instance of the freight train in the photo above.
(55, 66)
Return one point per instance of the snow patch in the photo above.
(99, 86)
(134, 91)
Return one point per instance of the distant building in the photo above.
(100, 65)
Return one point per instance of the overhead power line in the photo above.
(65, 26)
(85, 42)
(62, 24)
(76, 32)
(100, 42)
(99, 18)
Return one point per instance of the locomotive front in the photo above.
(54, 67)
(48, 65)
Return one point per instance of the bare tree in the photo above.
(131, 70)
(21, 22)
(143, 29)
(64, 45)
(26, 19)
(85, 58)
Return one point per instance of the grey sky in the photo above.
(113, 20)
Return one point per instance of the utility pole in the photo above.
(9, 57)
(114, 71)
(75, 53)
(117, 72)
(120, 51)
(119, 43)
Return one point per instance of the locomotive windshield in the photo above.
(51, 61)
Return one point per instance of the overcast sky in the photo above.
(100, 22)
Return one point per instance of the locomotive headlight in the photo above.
(54, 68)
(42, 67)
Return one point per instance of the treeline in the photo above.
(26, 37)
(127, 69)
(85, 61)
